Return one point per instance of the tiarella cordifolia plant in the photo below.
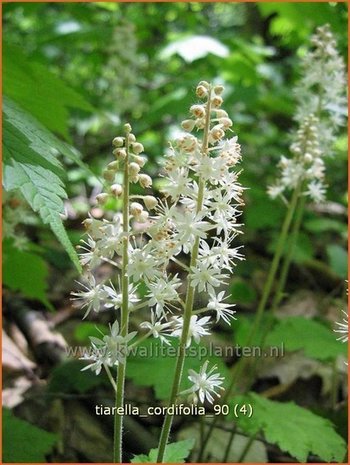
(321, 87)
(111, 241)
(202, 186)
(194, 226)
(321, 110)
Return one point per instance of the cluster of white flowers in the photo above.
(306, 165)
(322, 86)
(321, 110)
(194, 226)
(204, 384)
(109, 351)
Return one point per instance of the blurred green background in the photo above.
(83, 69)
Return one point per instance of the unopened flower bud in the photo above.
(140, 160)
(226, 122)
(127, 127)
(116, 189)
(198, 111)
(216, 133)
(136, 209)
(145, 180)
(134, 178)
(187, 143)
(221, 114)
(201, 91)
(188, 125)
(200, 123)
(101, 198)
(113, 165)
(109, 175)
(219, 90)
(134, 168)
(216, 101)
(204, 84)
(131, 138)
(308, 158)
(137, 148)
(150, 202)
(118, 142)
(120, 154)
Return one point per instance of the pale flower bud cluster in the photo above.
(306, 166)
(105, 237)
(206, 216)
(323, 85)
(321, 109)
(198, 217)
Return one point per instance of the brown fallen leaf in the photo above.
(14, 395)
(13, 360)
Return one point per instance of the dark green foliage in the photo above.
(68, 378)
(313, 338)
(175, 452)
(293, 428)
(24, 442)
(26, 272)
(151, 365)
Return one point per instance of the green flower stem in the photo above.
(247, 447)
(282, 239)
(229, 443)
(168, 420)
(119, 399)
(288, 257)
(282, 280)
(239, 366)
(278, 295)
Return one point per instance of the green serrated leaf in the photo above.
(43, 143)
(298, 333)
(39, 91)
(283, 423)
(25, 272)
(24, 442)
(152, 358)
(43, 191)
(34, 171)
(176, 452)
